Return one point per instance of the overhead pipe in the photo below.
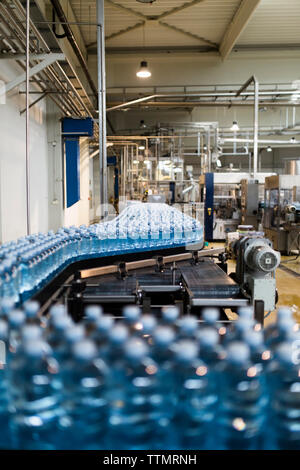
(71, 38)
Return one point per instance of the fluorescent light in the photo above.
(141, 147)
(269, 149)
(235, 126)
(219, 164)
(293, 140)
(135, 162)
(143, 71)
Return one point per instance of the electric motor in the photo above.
(262, 258)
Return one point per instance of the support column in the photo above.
(27, 155)
(102, 107)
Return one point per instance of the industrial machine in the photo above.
(230, 199)
(192, 280)
(256, 262)
(281, 213)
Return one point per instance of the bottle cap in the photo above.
(284, 353)
(131, 313)
(135, 349)
(163, 335)
(93, 312)
(7, 304)
(238, 353)
(186, 351)
(188, 324)
(170, 314)
(118, 334)
(254, 339)
(85, 350)
(104, 323)
(284, 312)
(246, 312)
(74, 333)
(57, 310)
(31, 308)
(36, 348)
(244, 324)
(16, 317)
(208, 337)
(149, 323)
(210, 315)
(31, 332)
(61, 323)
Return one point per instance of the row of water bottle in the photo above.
(147, 383)
(31, 261)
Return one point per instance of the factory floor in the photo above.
(288, 285)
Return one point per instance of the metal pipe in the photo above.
(256, 117)
(102, 105)
(64, 22)
(27, 155)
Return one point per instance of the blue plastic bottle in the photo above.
(35, 409)
(170, 315)
(211, 351)
(84, 386)
(242, 402)
(187, 327)
(197, 398)
(5, 437)
(283, 381)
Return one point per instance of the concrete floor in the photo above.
(288, 286)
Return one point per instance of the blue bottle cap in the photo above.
(93, 312)
(57, 310)
(31, 332)
(210, 315)
(244, 324)
(118, 334)
(31, 308)
(186, 351)
(16, 317)
(246, 312)
(74, 333)
(284, 312)
(254, 339)
(135, 349)
(149, 322)
(170, 314)
(132, 313)
(286, 324)
(285, 352)
(7, 304)
(238, 353)
(104, 323)
(163, 335)
(36, 348)
(208, 337)
(188, 324)
(85, 350)
(61, 323)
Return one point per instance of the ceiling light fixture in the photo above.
(269, 149)
(293, 140)
(235, 126)
(143, 71)
(146, 1)
(141, 147)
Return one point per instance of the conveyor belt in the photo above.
(114, 291)
(208, 280)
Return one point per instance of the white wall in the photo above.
(12, 162)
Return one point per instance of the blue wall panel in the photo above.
(72, 171)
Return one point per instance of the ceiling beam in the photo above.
(123, 31)
(127, 9)
(187, 33)
(180, 8)
(237, 26)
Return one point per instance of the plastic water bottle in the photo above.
(242, 405)
(5, 438)
(84, 385)
(259, 353)
(187, 327)
(148, 324)
(92, 314)
(286, 331)
(211, 351)
(240, 327)
(163, 339)
(132, 314)
(246, 312)
(101, 332)
(31, 309)
(170, 315)
(56, 337)
(35, 407)
(16, 320)
(116, 339)
(141, 401)
(197, 398)
(283, 429)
